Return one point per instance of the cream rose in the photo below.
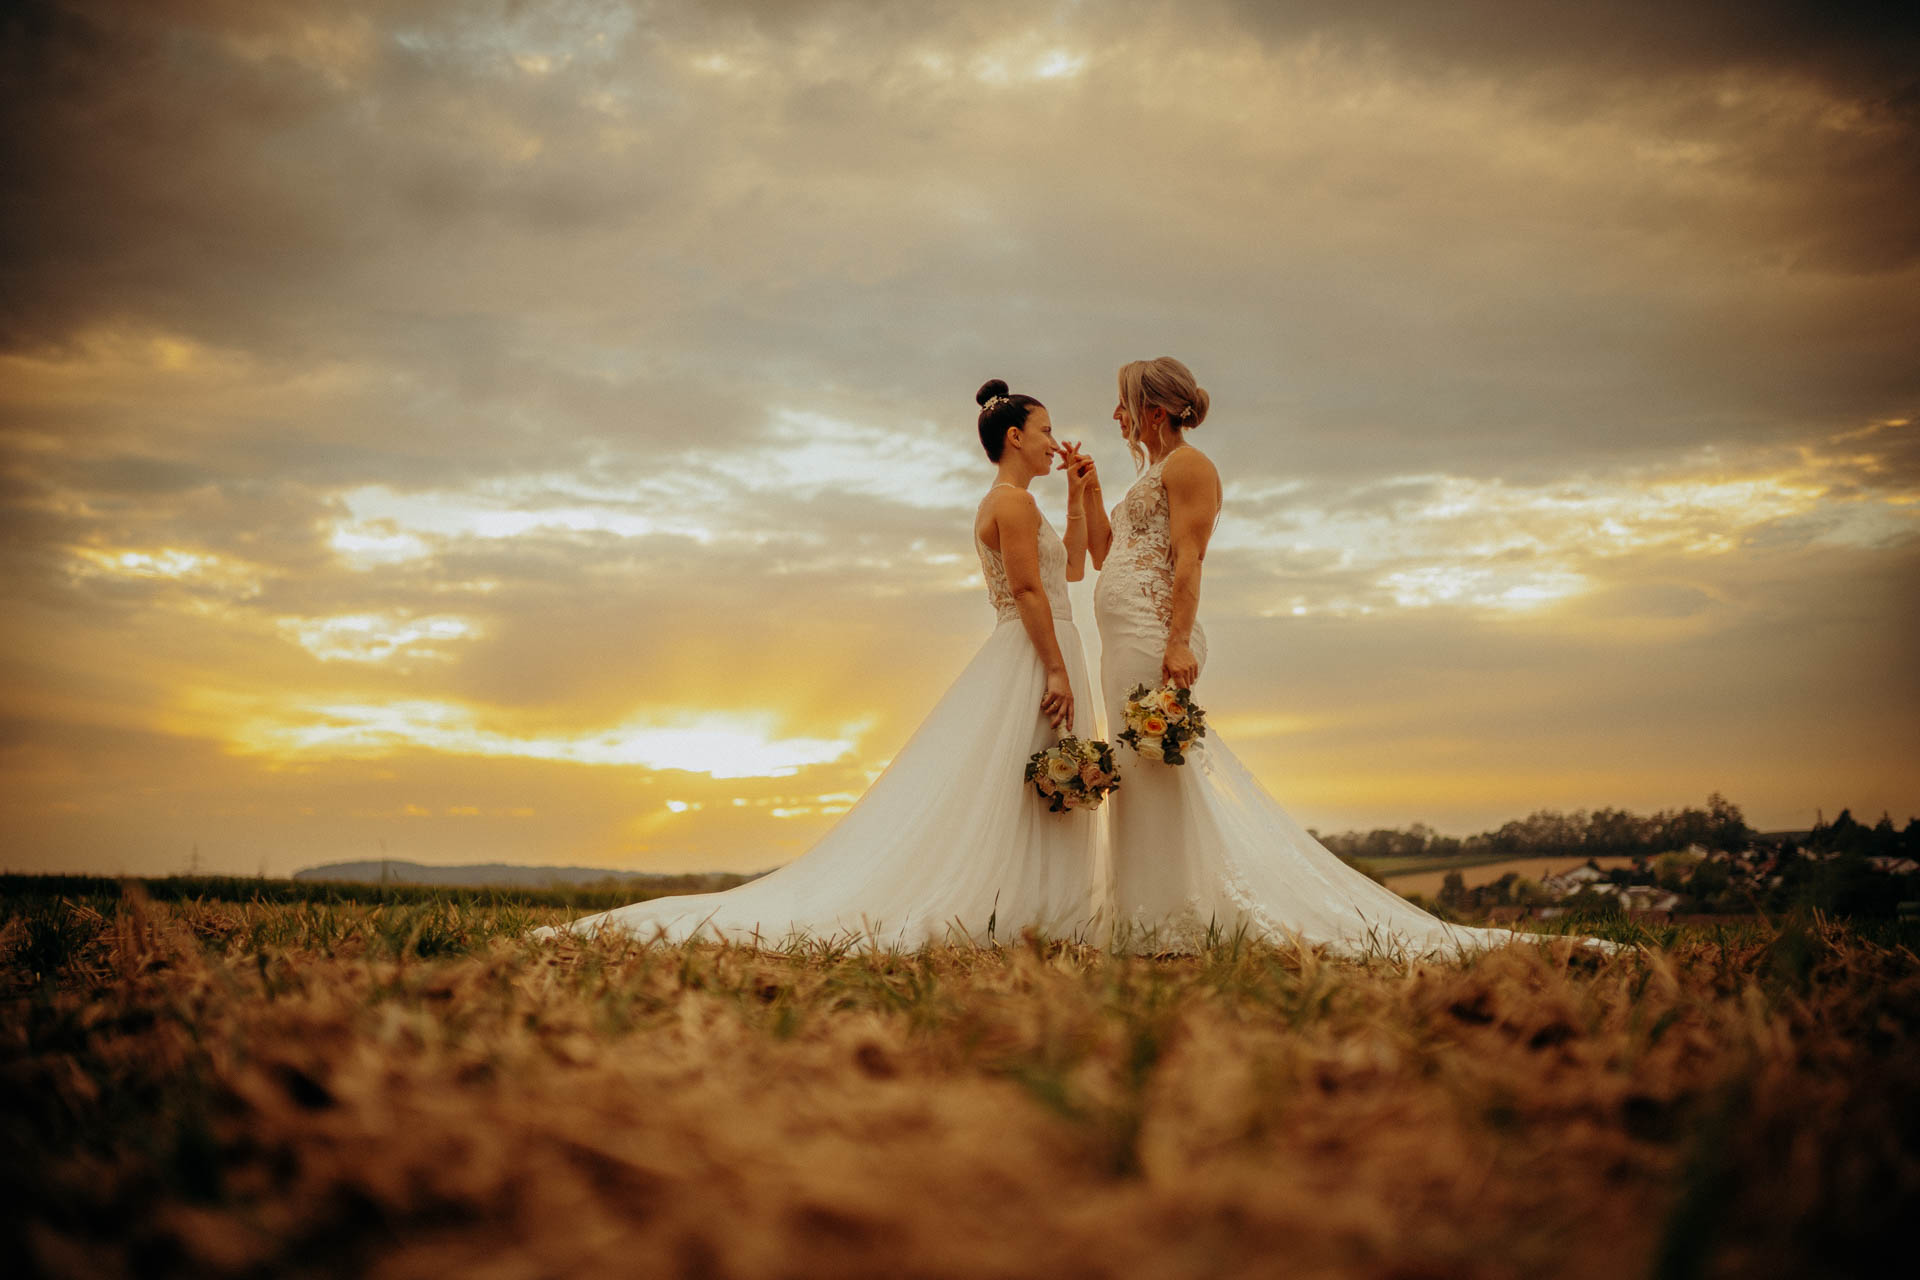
(1155, 725)
(1151, 750)
(1059, 768)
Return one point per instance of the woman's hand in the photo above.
(1179, 666)
(1057, 702)
(1082, 476)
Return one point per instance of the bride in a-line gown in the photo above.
(1201, 850)
(950, 843)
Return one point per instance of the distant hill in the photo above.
(482, 875)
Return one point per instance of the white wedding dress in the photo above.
(950, 844)
(1200, 850)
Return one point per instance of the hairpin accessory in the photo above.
(994, 402)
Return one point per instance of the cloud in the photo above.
(584, 366)
(1858, 48)
(766, 211)
(1740, 676)
(1814, 109)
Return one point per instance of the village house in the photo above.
(1573, 880)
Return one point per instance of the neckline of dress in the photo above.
(1007, 484)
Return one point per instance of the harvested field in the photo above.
(411, 1089)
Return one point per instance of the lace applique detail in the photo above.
(1053, 575)
(1137, 580)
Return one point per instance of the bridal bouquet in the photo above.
(1160, 722)
(1073, 774)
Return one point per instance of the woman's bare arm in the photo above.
(1078, 468)
(1193, 504)
(1076, 541)
(1017, 520)
(1099, 530)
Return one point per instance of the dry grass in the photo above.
(218, 1089)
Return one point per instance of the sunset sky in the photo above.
(544, 432)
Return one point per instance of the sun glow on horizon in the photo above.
(720, 745)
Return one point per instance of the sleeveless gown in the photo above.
(950, 844)
(1201, 849)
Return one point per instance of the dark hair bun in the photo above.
(1007, 411)
(988, 390)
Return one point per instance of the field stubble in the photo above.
(199, 1088)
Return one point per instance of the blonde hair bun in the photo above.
(1199, 406)
(1170, 385)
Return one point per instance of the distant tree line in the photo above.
(1840, 874)
(1842, 868)
(1881, 840)
(1720, 825)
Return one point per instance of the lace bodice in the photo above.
(1136, 582)
(1053, 574)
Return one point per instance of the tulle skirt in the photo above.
(949, 845)
(1201, 852)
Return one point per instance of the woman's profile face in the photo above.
(1036, 440)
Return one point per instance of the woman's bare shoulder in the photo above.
(1016, 505)
(1190, 467)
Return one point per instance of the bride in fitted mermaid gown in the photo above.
(949, 844)
(1201, 850)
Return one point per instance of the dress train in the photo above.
(949, 844)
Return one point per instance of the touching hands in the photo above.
(1082, 476)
